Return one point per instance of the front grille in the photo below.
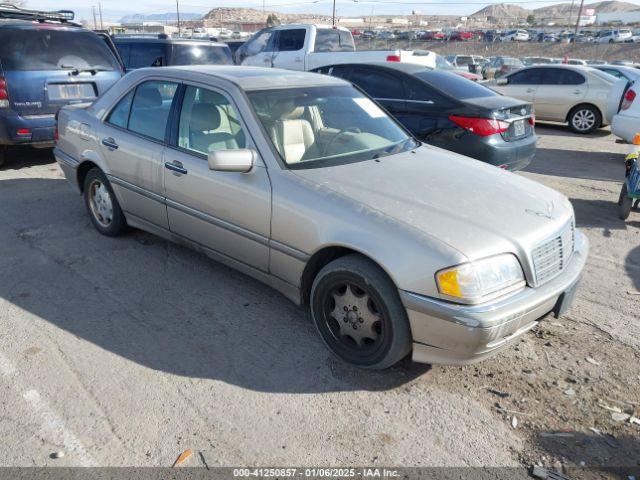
(551, 257)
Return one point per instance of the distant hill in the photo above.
(159, 17)
(253, 15)
(561, 10)
(502, 10)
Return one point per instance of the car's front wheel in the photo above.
(102, 204)
(584, 119)
(358, 312)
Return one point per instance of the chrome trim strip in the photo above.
(218, 222)
(287, 250)
(139, 190)
(65, 158)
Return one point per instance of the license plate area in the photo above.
(66, 92)
(518, 128)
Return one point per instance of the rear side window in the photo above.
(378, 84)
(525, 77)
(50, 49)
(147, 54)
(193, 54)
(561, 76)
(291, 40)
(150, 108)
(119, 116)
(419, 92)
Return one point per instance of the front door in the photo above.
(227, 212)
(522, 85)
(290, 49)
(132, 140)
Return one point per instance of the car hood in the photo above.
(474, 208)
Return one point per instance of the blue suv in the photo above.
(46, 62)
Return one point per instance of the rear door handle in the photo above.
(175, 166)
(110, 143)
(531, 90)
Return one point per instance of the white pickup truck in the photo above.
(305, 47)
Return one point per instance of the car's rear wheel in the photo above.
(584, 119)
(358, 312)
(102, 205)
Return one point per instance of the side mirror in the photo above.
(502, 81)
(239, 160)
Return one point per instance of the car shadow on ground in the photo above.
(632, 264)
(598, 214)
(613, 457)
(20, 157)
(161, 305)
(562, 130)
(592, 165)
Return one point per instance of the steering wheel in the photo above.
(337, 135)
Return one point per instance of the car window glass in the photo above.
(327, 40)
(150, 108)
(260, 43)
(200, 54)
(209, 122)
(525, 77)
(346, 41)
(420, 92)
(561, 76)
(570, 77)
(377, 84)
(147, 54)
(291, 40)
(119, 116)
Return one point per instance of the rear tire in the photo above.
(625, 203)
(102, 204)
(584, 119)
(358, 313)
(3, 154)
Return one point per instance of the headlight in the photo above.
(481, 280)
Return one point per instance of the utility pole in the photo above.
(93, 9)
(100, 10)
(178, 15)
(333, 17)
(575, 33)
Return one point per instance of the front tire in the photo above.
(102, 204)
(358, 313)
(584, 119)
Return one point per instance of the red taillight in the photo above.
(3, 83)
(23, 131)
(532, 120)
(4, 95)
(480, 126)
(393, 58)
(628, 99)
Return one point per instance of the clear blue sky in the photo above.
(112, 10)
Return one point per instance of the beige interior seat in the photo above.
(204, 129)
(292, 135)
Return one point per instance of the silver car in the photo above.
(306, 184)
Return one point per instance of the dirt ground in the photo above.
(127, 351)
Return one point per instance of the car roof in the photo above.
(399, 66)
(131, 39)
(255, 78)
(19, 23)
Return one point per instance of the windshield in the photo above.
(50, 49)
(193, 54)
(321, 126)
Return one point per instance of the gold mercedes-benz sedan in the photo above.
(302, 181)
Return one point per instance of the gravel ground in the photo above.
(125, 352)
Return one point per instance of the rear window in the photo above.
(454, 85)
(512, 61)
(185, 54)
(52, 49)
(333, 40)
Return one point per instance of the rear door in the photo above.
(132, 141)
(45, 68)
(561, 89)
(426, 112)
(290, 49)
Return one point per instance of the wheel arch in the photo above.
(322, 257)
(81, 174)
(586, 104)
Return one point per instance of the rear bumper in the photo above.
(41, 129)
(625, 127)
(457, 334)
(514, 155)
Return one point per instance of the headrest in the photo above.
(148, 96)
(204, 117)
(286, 109)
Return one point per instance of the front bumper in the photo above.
(41, 129)
(455, 334)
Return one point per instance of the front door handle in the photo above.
(577, 92)
(175, 166)
(531, 90)
(110, 143)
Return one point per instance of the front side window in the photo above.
(150, 108)
(208, 122)
(260, 43)
(321, 126)
(291, 40)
